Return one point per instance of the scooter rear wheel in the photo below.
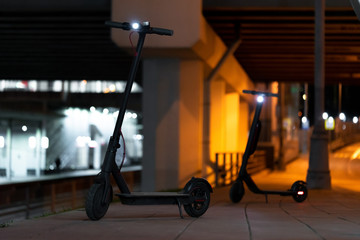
(201, 193)
(237, 191)
(94, 205)
(299, 190)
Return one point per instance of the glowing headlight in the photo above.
(260, 99)
(135, 26)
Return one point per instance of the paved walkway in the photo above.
(326, 214)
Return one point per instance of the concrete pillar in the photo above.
(172, 107)
(232, 113)
(318, 175)
(216, 140)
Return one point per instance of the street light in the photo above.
(355, 120)
(342, 117)
(325, 115)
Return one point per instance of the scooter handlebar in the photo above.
(123, 25)
(161, 31)
(266, 94)
(144, 28)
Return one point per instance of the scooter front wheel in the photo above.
(237, 191)
(201, 194)
(95, 207)
(299, 190)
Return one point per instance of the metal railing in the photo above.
(34, 198)
(226, 168)
(227, 165)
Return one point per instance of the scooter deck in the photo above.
(154, 198)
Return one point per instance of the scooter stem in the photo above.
(109, 165)
(247, 152)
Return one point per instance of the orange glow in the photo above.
(356, 154)
(275, 87)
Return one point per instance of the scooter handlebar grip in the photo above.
(162, 31)
(122, 25)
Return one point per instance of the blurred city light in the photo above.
(342, 117)
(32, 142)
(45, 142)
(304, 97)
(304, 119)
(355, 120)
(305, 122)
(24, 128)
(138, 137)
(325, 115)
(93, 144)
(330, 123)
(2, 142)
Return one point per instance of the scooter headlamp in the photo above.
(135, 26)
(260, 99)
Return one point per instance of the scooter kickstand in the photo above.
(180, 209)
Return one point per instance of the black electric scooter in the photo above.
(195, 197)
(298, 190)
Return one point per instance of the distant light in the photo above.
(20, 84)
(115, 114)
(305, 123)
(135, 26)
(105, 111)
(84, 82)
(304, 97)
(92, 109)
(325, 115)
(24, 128)
(138, 137)
(112, 88)
(329, 124)
(45, 142)
(355, 120)
(134, 115)
(68, 111)
(260, 99)
(2, 142)
(81, 141)
(300, 193)
(128, 115)
(93, 144)
(32, 142)
(304, 119)
(342, 117)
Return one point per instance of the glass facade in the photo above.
(71, 140)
